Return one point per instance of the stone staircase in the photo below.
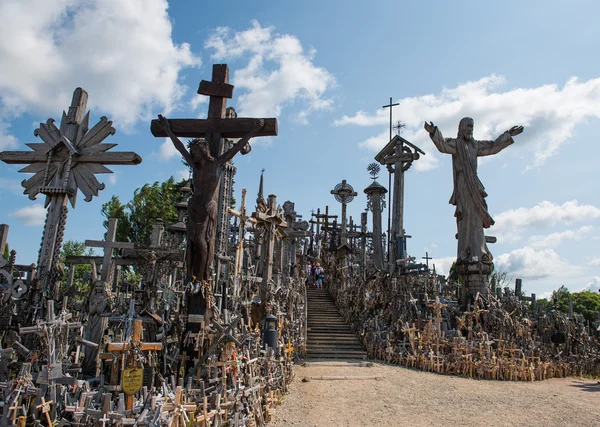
(329, 337)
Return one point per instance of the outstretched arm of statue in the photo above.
(228, 155)
(443, 145)
(488, 148)
(176, 141)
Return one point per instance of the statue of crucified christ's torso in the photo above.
(202, 207)
(469, 195)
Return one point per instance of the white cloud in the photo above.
(528, 263)
(33, 215)
(511, 223)
(554, 239)
(593, 286)
(595, 262)
(180, 174)
(11, 185)
(279, 71)
(120, 51)
(197, 101)
(442, 265)
(549, 113)
(112, 178)
(167, 150)
(7, 141)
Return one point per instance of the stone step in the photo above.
(311, 347)
(337, 355)
(328, 335)
(318, 322)
(325, 340)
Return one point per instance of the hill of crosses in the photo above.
(227, 301)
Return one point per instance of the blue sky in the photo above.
(325, 69)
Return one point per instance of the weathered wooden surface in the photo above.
(228, 128)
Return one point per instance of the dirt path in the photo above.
(402, 397)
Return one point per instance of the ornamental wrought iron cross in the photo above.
(65, 163)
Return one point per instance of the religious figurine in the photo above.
(202, 206)
(469, 195)
(98, 303)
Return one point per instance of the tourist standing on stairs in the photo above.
(308, 271)
(319, 275)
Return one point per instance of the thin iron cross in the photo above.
(389, 241)
(391, 107)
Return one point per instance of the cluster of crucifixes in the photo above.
(96, 360)
(397, 156)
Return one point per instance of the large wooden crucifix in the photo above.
(207, 162)
(64, 163)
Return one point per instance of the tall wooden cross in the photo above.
(64, 163)
(324, 222)
(273, 222)
(398, 155)
(241, 232)
(108, 245)
(216, 126)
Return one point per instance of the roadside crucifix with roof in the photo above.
(398, 155)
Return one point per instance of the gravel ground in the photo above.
(388, 395)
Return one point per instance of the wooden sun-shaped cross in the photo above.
(70, 156)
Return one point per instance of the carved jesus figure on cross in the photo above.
(202, 207)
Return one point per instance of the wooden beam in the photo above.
(222, 90)
(117, 158)
(228, 128)
(216, 104)
(144, 346)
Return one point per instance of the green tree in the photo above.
(560, 298)
(587, 304)
(152, 202)
(75, 248)
(544, 305)
(115, 209)
(149, 203)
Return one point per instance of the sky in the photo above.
(324, 70)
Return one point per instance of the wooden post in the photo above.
(3, 237)
(108, 245)
(45, 407)
(518, 288)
